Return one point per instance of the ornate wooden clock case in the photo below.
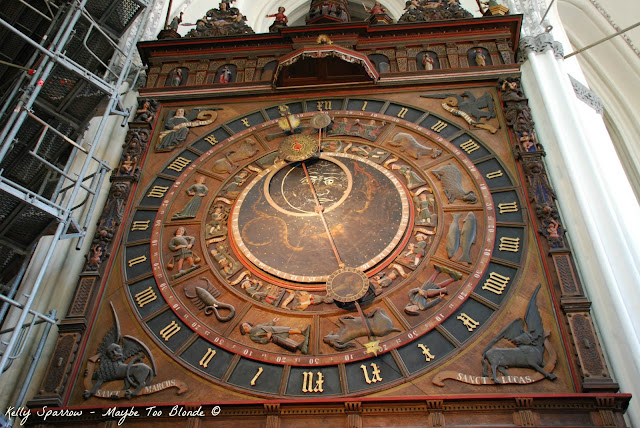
(314, 238)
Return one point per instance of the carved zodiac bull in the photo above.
(352, 327)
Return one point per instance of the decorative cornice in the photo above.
(587, 96)
(539, 44)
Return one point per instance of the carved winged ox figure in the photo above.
(529, 342)
(119, 358)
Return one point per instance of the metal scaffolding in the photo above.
(67, 63)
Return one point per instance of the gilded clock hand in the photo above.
(355, 278)
(320, 211)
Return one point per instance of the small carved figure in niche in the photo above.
(95, 256)
(197, 192)
(281, 20)
(233, 189)
(430, 294)
(112, 359)
(379, 325)
(278, 335)
(181, 245)
(451, 179)
(407, 143)
(552, 229)
(480, 58)
(176, 78)
(376, 9)
(228, 266)
(146, 112)
(128, 165)
(427, 62)
(528, 141)
(225, 75)
(424, 204)
(530, 345)
(175, 23)
(415, 251)
(382, 280)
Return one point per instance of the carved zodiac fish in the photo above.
(451, 179)
(468, 236)
(453, 236)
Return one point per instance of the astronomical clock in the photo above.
(340, 219)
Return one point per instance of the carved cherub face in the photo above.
(114, 352)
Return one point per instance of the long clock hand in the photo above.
(320, 211)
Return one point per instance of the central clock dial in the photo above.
(276, 226)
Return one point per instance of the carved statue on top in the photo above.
(280, 20)
(433, 10)
(223, 21)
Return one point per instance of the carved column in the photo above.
(574, 303)
(353, 410)
(74, 326)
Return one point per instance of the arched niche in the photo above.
(381, 62)
(479, 57)
(428, 60)
(226, 74)
(177, 77)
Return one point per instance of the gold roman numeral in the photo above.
(508, 207)
(496, 283)
(468, 322)
(324, 105)
(469, 146)
(364, 106)
(157, 192)
(145, 296)
(402, 112)
(255, 378)
(375, 372)
(307, 383)
(206, 359)
(171, 329)
(426, 352)
(509, 244)
(131, 263)
(439, 126)
(495, 174)
(211, 140)
(245, 122)
(140, 225)
(179, 164)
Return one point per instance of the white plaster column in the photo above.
(598, 207)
